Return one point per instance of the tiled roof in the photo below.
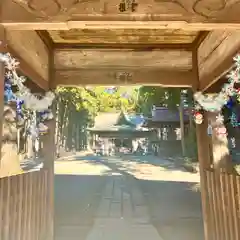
(118, 121)
(162, 114)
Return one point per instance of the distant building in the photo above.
(117, 125)
(164, 117)
(166, 123)
(120, 128)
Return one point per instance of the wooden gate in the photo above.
(223, 202)
(24, 206)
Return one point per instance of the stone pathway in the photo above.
(122, 214)
(125, 198)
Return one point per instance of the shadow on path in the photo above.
(174, 209)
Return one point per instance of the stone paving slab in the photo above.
(119, 217)
(119, 229)
(117, 199)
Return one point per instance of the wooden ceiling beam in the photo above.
(51, 14)
(215, 56)
(217, 86)
(126, 36)
(47, 40)
(172, 59)
(199, 39)
(32, 54)
(27, 70)
(101, 25)
(17, 45)
(138, 46)
(115, 76)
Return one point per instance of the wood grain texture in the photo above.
(215, 55)
(222, 200)
(126, 58)
(123, 77)
(2, 78)
(151, 36)
(164, 10)
(20, 201)
(29, 46)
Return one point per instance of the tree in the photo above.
(149, 96)
(173, 98)
(78, 106)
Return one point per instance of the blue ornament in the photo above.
(19, 104)
(7, 86)
(8, 93)
(43, 112)
(230, 103)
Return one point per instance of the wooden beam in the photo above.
(215, 56)
(2, 75)
(47, 40)
(24, 66)
(31, 48)
(52, 14)
(199, 39)
(60, 25)
(27, 70)
(165, 78)
(145, 46)
(123, 36)
(217, 86)
(123, 58)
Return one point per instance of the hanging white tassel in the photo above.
(50, 116)
(43, 129)
(47, 116)
(31, 101)
(33, 131)
(214, 103)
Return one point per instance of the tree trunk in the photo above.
(181, 115)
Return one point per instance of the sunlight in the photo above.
(80, 168)
(115, 166)
(150, 172)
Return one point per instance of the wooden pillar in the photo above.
(49, 156)
(1, 102)
(203, 154)
(49, 149)
(49, 145)
(203, 143)
(2, 76)
(221, 156)
(204, 163)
